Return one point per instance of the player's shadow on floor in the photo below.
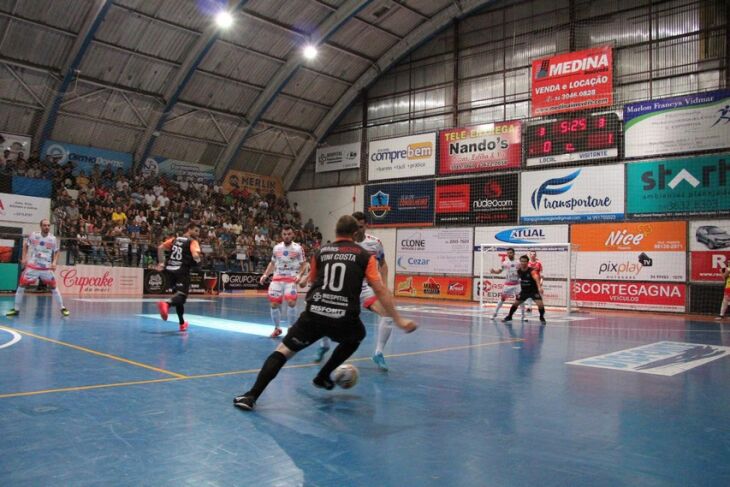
(166, 333)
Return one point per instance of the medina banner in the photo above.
(86, 158)
(404, 157)
(709, 249)
(400, 204)
(488, 147)
(487, 199)
(338, 157)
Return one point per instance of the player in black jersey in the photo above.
(332, 310)
(184, 254)
(531, 286)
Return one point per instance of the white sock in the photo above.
(522, 309)
(325, 343)
(57, 297)
(723, 306)
(19, 297)
(384, 329)
(291, 313)
(276, 316)
(499, 305)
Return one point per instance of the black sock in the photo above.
(512, 310)
(338, 357)
(271, 367)
(180, 310)
(542, 311)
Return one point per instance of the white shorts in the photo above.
(281, 290)
(30, 277)
(367, 296)
(511, 291)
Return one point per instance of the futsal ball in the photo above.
(346, 376)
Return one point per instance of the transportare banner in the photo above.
(488, 147)
(709, 249)
(400, 204)
(434, 287)
(643, 296)
(489, 199)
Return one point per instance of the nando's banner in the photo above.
(487, 147)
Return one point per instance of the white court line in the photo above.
(16, 337)
(135, 300)
(227, 325)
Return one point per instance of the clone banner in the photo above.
(92, 280)
(555, 292)
(642, 296)
(709, 245)
(238, 181)
(173, 168)
(646, 251)
(24, 209)
(400, 204)
(574, 194)
(338, 157)
(490, 199)
(404, 157)
(488, 147)
(433, 287)
(679, 187)
(687, 123)
(579, 80)
(16, 144)
(85, 158)
(554, 260)
(434, 251)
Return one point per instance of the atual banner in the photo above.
(18, 145)
(646, 251)
(338, 157)
(241, 181)
(644, 296)
(400, 204)
(687, 123)
(85, 158)
(594, 193)
(404, 157)
(239, 281)
(24, 209)
(434, 287)
(679, 187)
(434, 251)
(488, 147)
(580, 80)
(174, 168)
(555, 292)
(487, 199)
(92, 280)
(709, 249)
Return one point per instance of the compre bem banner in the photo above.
(434, 287)
(688, 123)
(646, 251)
(580, 194)
(338, 157)
(434, 251)
(24, 209)
(400, 204)
(404, 157)
(86, 158)
(709, 249)
(92, 280)
(555, 292)
(644, 296)
(487, 199)
(488, 147)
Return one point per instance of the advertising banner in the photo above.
(679, 187)
(174, 168)
(555, 291)
(583, 194)
(240, 181)
(688, 123)
(488, 147)
(434, 251)
(92, 280)
(24, 209)
(8, 277)
(644, 296)
(709, 249)
(573, 81)
(400, 204)
(434, 287)
(487, 199)
(338, 157)
(404, 157)
(646, 251)
(85, 158)
(554, 260)
(16, 144)
(239, 281)
(156, 282)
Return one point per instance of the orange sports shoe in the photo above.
(164, 309)
(184, 326)
(275, 333)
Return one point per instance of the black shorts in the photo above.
(526, 294)
(309, 328)
(178, 281)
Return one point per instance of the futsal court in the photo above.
(115, 396)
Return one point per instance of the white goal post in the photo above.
(557, 260)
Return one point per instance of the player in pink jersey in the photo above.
(535, 265)
(511, 287)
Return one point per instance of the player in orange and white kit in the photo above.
(511, 287)
(535, 265)
(287, 265)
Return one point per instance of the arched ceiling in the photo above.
(159, 78)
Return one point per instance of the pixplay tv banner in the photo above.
(593, 193)
(644, 296)
(573, 81)
(433, 287)
(399, 204)
(434, 251)
(709, 245)
(488, 147)
(85, 158)
(404, 157)
(687, 123)
(679, 187)
(490, 199)
(646, 251)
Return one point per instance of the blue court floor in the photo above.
(115, 396)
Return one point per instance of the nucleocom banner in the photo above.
(23, 209)
(646, 251)
(679, 187)
(579, 80)
(688, 123)
(434, 251)
(594, 193)
(240, 181)
(174, 168)
(488, 147)
(709, 249)
(92, 280)
(487, 199)
(16, 145)
(643, 296)
(555, 292)
(400, 204)
(338, 157)
(86, 158)
(404, 157)
(434, 287)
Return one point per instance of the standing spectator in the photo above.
(726, 293)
